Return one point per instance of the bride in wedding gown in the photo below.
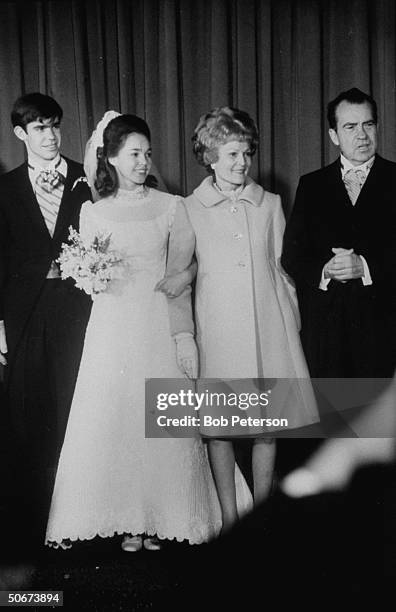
(111, 479)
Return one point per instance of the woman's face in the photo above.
(133, 161)
(233, 164)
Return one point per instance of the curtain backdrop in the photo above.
(172, 60)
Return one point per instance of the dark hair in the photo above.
(353, 96)
(114, 137)
(219, 126)
(34, 107)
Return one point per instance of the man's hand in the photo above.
(344, 266)
(3, 344)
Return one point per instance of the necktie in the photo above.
(49, 190)
(354, 180)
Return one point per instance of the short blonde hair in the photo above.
(219, 126)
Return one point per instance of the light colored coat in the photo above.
(246, 307)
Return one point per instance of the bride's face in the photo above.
(133, 161)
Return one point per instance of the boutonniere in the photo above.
(81, 179)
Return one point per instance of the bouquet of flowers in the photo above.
(91, 264)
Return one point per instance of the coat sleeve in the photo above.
(181, 247)
(278, 229)
(298, 257)
(3, 254)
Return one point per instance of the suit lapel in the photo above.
(368, 191)
(68, 202)
(64, 209)
(335, 187)
(28, 200)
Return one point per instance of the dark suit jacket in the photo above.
(26, 247)
(349, 323)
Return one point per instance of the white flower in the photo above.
(81, 179)
(92, 264)
(97, 135)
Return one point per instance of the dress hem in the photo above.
(57, 542)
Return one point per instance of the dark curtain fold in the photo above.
(172, 60)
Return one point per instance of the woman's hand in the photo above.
(187, 354)
(174, 285)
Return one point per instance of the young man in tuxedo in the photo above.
(42, 318)
(339, 247)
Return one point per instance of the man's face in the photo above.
(356, 132)
(42, 139)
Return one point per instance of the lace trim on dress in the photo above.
(194, 533)
(132, 197)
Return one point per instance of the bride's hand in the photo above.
(187, 354)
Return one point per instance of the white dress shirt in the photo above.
(60, 165)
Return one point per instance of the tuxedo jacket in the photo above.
(26, 246)
(323, 218)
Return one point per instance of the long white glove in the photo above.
(187, 354)
(3, 344)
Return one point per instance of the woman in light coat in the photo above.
(246, 308)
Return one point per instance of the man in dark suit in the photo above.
(42, 318)
(339, 247)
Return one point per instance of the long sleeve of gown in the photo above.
(88, 223)
(181, 247)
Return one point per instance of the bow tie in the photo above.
(49, 180)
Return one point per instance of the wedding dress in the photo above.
(111, 479)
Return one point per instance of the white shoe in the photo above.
(152, 544)
(132, 544)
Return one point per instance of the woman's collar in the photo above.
(208, 195)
